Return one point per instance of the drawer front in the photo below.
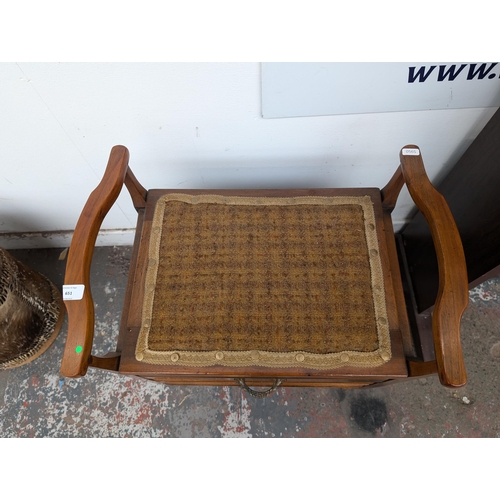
(263, 382)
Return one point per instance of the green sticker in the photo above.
(79, 349)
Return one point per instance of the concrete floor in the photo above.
(36, 401)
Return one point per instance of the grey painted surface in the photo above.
(36, 401)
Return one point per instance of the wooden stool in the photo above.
(268, 287)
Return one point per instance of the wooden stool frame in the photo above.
(451, 301)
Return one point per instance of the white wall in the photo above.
(189, 125)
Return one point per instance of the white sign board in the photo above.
(312, 89)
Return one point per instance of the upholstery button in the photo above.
(174, 357)
(385, 355)
(139, 356)
(300, 358)
(255, 355)
(344, 357)
(219, 355)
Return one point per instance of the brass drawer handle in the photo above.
(259, 394)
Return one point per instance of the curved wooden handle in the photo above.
(453, 297)
(81, 312)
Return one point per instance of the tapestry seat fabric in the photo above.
(274, 282)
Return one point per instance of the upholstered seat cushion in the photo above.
(276, 282)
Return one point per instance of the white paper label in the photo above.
(411, 152)
(73, 292)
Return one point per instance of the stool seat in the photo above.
(263, 287)
(264, 281)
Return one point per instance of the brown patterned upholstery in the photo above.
(276, 282)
